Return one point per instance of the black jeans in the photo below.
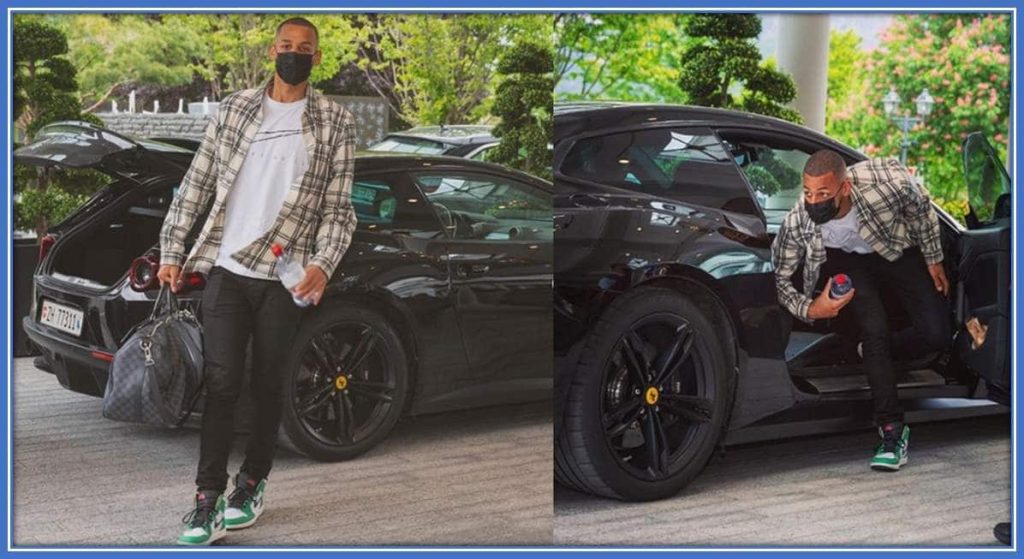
(865, 316)
(233, 308)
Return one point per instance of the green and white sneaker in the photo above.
(892, 451)
(205, 523)
(245, 503)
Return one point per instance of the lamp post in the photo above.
(924, 103)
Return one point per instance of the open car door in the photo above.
(984, 290)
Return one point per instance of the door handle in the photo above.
(471, 270)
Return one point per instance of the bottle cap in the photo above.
(841, 279)
(276, 249)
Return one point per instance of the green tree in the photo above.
(843, 80)
(722, 67)
(113, 51)
(964, 61)
(44, 79)
(45, 91)
(523, 102)
(232, 49)
(625, 57)
(440, 68)
(43, 197)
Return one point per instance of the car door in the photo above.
(983, 291)
(398, 249)
(499, 249)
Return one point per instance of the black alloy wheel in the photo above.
(657, 394)
(348, 384)
(650, 397)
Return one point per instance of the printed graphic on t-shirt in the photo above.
(269, 135)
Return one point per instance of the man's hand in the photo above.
(826, 307)
(312, 285)
(170, 274)
(938, 273)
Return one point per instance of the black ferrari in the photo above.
(669, 336)
(442, 301)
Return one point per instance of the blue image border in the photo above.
(506, 6)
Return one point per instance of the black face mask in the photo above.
(823, 211)
(293, 67)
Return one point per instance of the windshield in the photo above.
(403, 144)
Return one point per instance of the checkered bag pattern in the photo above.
(156, 375)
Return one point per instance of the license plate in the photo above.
(61, 317)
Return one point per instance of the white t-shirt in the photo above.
(276, 158)
(842, 233)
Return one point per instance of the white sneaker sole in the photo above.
(889, 467)
(213, 537)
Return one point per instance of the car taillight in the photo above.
(45, 244)
(142, 274)
(193, 280)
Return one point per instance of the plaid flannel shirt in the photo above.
(317, 219)
(895, 212)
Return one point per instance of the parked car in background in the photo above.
(670, 340)
(458, 140)
(442, 301)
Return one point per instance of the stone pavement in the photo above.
(474, 477)
(819, 491)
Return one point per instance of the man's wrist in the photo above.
(171, 259)
(319, 267)
(324, 265)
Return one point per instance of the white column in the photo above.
(803, 53)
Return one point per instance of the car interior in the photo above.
(689, 164)
(101, 255)
(488, 208)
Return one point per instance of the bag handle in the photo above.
(165, 302)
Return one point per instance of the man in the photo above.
(275, 167)
(875, 224)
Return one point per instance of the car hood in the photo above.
(76, 144)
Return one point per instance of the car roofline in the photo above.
(680, 113)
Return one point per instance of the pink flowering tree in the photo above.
(964, 61)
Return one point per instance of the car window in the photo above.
(403, 144)
(686, 164)
(774, 171)
(374, 202)
(483, 153)
(488, 207)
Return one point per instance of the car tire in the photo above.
(385, 368)
(586, 458)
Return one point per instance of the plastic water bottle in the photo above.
(290, 272)
(841, 285)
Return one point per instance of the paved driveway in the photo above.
(820, 491)
(476, 477)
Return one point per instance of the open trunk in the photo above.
(98, 252)
(96, 245)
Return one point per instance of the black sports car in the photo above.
(669, 336)
(442, 301)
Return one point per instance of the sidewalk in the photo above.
(476, 477)
(819, 491)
